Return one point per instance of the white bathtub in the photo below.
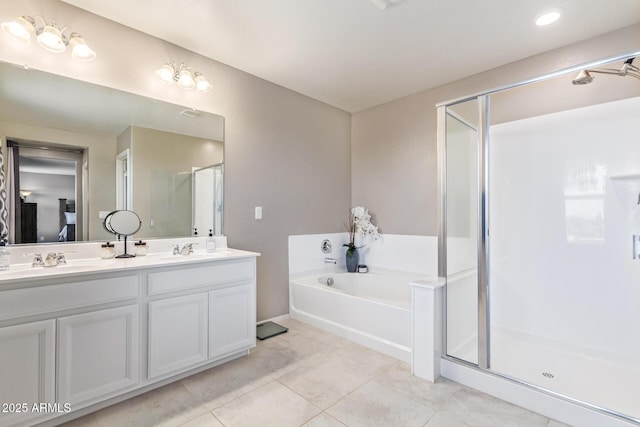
(371, 309)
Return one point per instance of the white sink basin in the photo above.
(85, 265)
(76, 264)
(194, 256)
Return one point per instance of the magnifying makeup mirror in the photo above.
(122, 223)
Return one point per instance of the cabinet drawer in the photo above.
(65, 296)
(213, 274)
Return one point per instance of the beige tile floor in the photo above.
(308, 377)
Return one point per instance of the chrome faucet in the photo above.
(37, 260)
(187, 249)
(51, 260)
(328, 260)
(61, 258)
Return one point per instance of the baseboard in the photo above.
(275, 319)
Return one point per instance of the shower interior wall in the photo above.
(562, 279)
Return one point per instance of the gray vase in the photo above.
(352, 261)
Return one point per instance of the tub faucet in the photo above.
(329, 260)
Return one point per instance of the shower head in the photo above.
(583, 78)
(628, 69)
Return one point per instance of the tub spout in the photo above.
(328, 260)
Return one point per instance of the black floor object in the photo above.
(269, 329)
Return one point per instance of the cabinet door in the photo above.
(177, 334)
(98, 354)
(27, 370)
(232, 320)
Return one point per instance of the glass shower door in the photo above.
(540, 236)
(461, 214)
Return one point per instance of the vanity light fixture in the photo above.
(171, 73)
(49, 36)
(24, 194)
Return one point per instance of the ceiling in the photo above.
(47, 166)
(353, 54)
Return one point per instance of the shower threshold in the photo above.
(533, 397)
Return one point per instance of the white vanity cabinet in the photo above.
(232, 320)
(177, 334)
(97, 354)
(27, 370)
(215, 319)
(67, 350)
(88, 338)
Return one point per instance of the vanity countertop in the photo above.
(24, 272)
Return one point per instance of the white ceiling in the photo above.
(354, 55)
(47, 166)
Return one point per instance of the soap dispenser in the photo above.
(211, 242)
(107, 250)
(140, 248)
(4, 256)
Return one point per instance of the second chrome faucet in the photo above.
(187, 249)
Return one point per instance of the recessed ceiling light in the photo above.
(548, 17)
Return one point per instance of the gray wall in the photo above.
(394, 144)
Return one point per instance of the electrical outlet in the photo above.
(258, 212)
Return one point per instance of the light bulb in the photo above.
(165, 73)
(80, 50)
(202, 84)
(186, 80)
(20, 28)
(51, 39)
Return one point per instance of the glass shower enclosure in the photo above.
(540, 188)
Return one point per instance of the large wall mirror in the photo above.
(74, 151)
